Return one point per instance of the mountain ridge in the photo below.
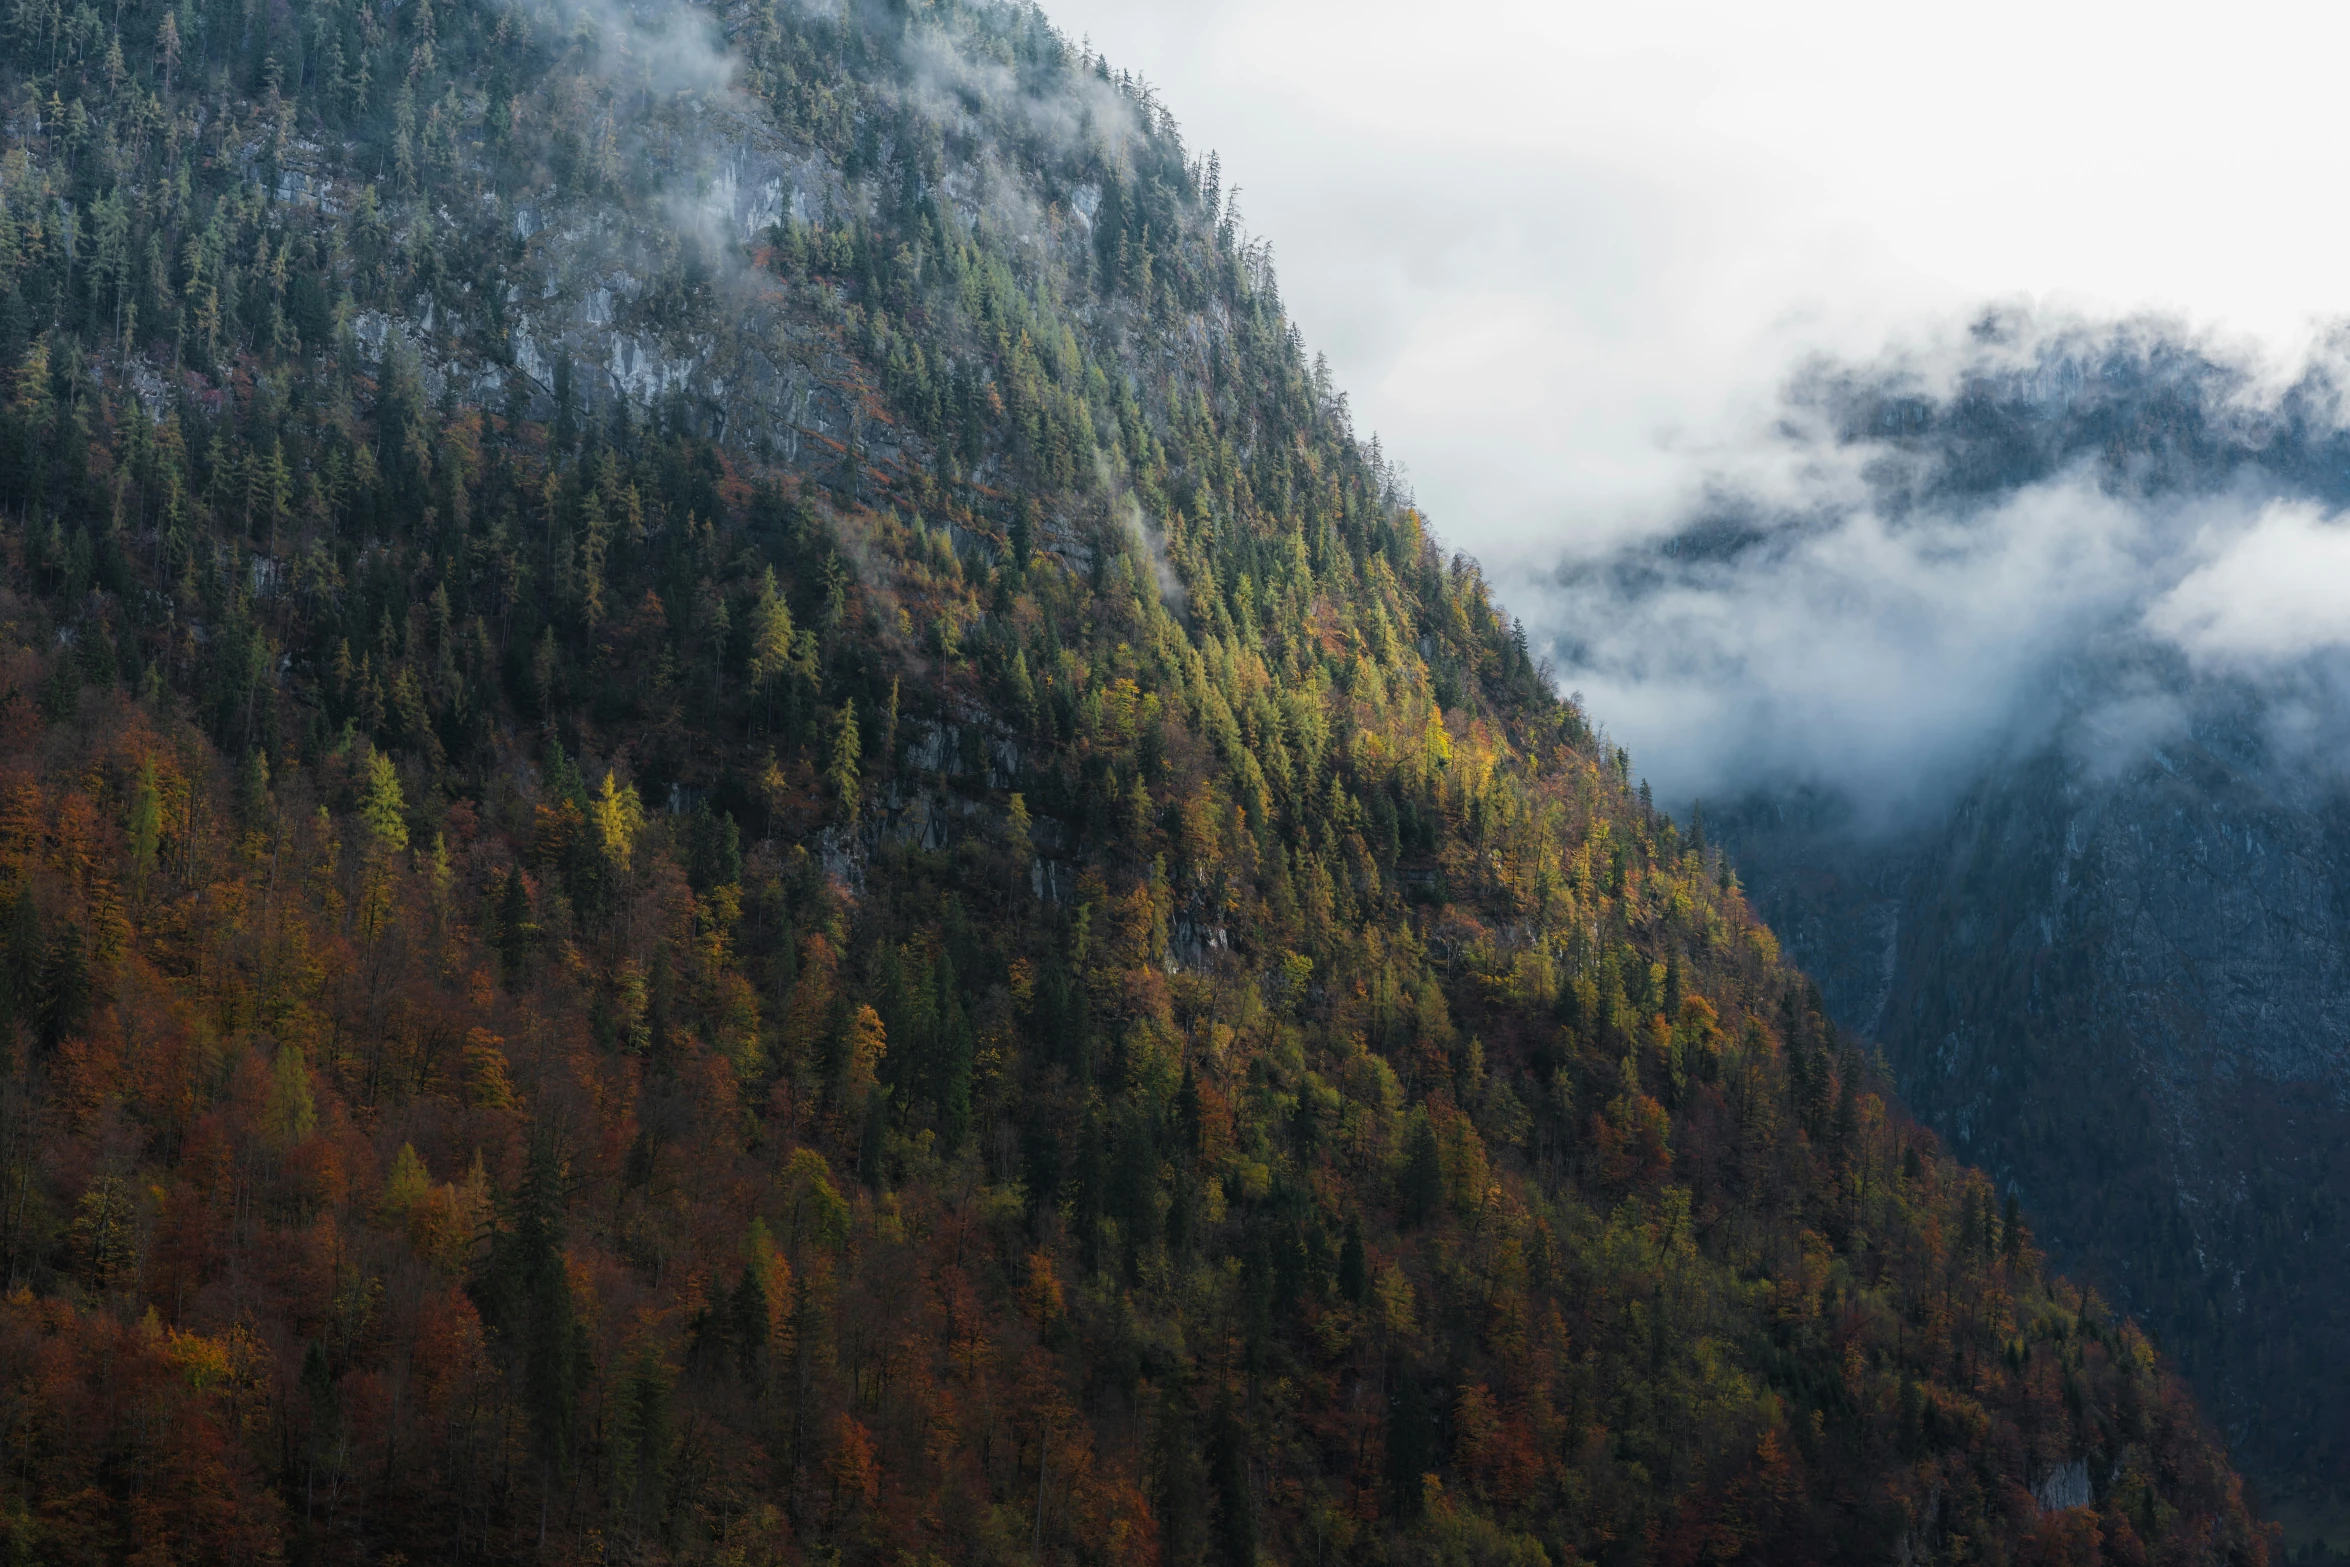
(981, 952)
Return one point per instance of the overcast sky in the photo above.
(1556, 251)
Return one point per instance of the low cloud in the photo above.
(960, 87)
(2272, 592)
(1852, 647)
(662, 47)
(2016, 532)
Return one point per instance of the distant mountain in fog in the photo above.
(2016, 679)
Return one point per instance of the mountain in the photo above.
(735, 828)
(2106, 955)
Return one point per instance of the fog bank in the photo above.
(1966, 544)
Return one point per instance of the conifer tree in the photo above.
(840, 773)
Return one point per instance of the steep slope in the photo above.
(2109, 962)
(736, 829)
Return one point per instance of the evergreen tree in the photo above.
(840, 774)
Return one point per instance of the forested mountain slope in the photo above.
(734, 828)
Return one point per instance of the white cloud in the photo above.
(2269, 594)
(665, 48)
(1880, 655)
(1883, 617)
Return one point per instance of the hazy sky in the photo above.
(1556, 251)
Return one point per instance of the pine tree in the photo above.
(1354, 1280)
(513, 927)
(771, 635)
(1187, 1112)
(293, 1110)
(383, 807)
(523, 1291)
(840, 774)
(1236, 1509)
(1422, 1185)
(1411, 1441)
(64, 988)
(146, 825)
(1175, 1475)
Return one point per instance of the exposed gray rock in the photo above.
(2065, 1487)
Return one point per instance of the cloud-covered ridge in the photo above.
(1922, 560)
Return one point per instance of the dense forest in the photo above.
(735, 828)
